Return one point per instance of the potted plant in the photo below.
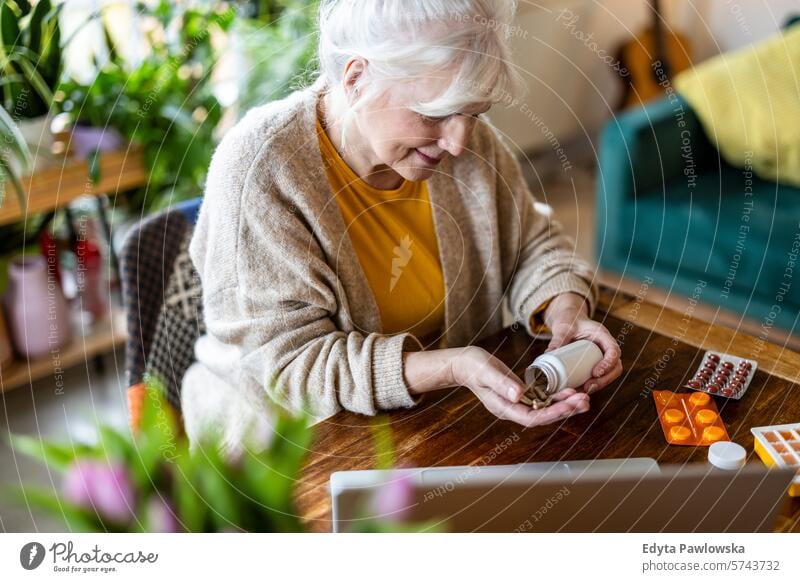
(165, 102)
(30, 66)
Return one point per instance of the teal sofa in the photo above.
(671, 211)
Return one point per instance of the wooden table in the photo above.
(451, 427)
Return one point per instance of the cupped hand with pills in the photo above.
(495, 385)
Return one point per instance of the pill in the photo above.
(796, 445)
(724, 372)
(727, 365)
(706, 416)
(772, 437)
(713, 357)
(735, 385)
(713, 433)
(744, 365)
(720, 379)
(726, 392)
(712, 388)
(699, 399)
(741, 377)
(786, 435)
(673, 415)
(680, 433)
(665, 398)
(788, 458)
(710, 366)
(780, 448)
(704, 374)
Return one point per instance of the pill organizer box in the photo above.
(723, 375)
(780, 445)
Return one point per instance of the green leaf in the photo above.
(35, 79)
(114, 444)
(93, 160)
(77, 519)
(384, 445)
(7, 171)
(188, 503)
(36, 25)
(9, 28)
(53, 454)
(12, 136)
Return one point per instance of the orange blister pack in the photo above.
(689, 418)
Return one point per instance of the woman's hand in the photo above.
(568, 320)
(495, 385)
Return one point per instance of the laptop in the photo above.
(608, 495)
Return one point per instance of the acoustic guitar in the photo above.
(650, 60)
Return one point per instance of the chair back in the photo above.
(163, 303)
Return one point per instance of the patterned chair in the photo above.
(163, 304)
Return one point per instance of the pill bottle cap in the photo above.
(726, 455)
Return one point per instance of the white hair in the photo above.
(402, 40)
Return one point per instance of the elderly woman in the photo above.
(358, 236)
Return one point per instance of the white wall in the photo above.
(571, 85)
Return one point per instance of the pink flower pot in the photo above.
(38, 313)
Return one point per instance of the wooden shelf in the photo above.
(106, 335)
(49, 188)
(58, 185)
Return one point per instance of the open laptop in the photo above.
(614, 495)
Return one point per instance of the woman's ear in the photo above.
(353, 71)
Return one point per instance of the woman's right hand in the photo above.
(495, 385)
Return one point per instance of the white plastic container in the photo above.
(569, 366)
(727, 455)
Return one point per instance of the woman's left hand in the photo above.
(567, 317)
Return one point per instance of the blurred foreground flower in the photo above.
(150, 480)
(161, 516)
(103, 487)
(394, 500)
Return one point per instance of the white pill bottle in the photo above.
(569, 366)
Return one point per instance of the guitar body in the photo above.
(639, 57)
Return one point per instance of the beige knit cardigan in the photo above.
(286, 301)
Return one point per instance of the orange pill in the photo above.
(699, 399)
(713, 433)
(679, 433)
(673, 415)
(706, 416)
(665, 398)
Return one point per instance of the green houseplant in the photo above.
(30, 66)
(30, 53)
(275, 44)
(165, 103)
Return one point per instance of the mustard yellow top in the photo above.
(393, 234)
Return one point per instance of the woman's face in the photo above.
(410, 144)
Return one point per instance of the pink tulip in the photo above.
(160, 516)
(395, 498)
(101, 487)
